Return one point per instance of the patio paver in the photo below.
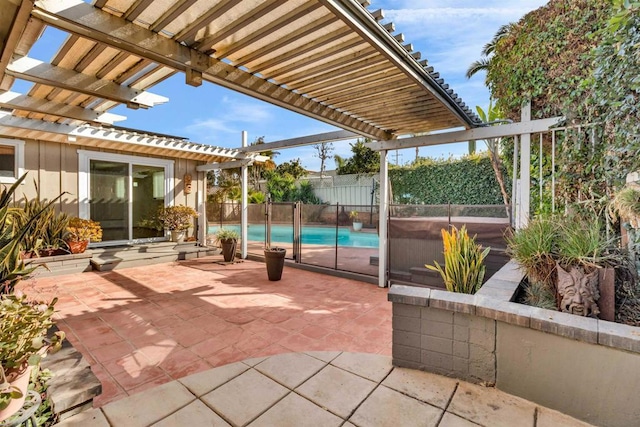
(251, 399)
(145, 326)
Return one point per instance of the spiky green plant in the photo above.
(538, 294)
(581, 242)
(13, 232)
(464, 267)
(626, 203)
(534, 249)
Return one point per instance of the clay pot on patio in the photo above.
(77, 247)
(274, 259)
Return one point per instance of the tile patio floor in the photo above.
(145, 326)
(320, 389)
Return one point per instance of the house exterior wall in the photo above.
(53, 169)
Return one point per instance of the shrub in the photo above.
(463, 262)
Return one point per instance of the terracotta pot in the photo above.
(18, 379)
(274, 258)
(78, 247)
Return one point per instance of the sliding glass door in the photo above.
(123, 193)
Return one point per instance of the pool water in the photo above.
(310, 235)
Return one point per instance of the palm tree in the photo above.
(487, 51)
(493, 145)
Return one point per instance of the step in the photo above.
(74, 385)
(425, 276)
(61, 264)
(108, 262)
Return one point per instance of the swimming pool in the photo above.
(310, 235)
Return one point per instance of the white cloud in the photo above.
(230, 116)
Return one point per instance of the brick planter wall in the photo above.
(584, 367)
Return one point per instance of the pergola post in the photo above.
(524, 189)
(244, 203)
(382, 220)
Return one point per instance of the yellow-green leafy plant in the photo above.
(23, 339)
(176, 218)
(464, 268)
(80, 229)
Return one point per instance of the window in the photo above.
(11, 160)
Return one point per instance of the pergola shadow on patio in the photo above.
(145, 326)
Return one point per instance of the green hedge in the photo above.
(466, 181)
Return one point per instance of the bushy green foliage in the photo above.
(292, 167)
(280, 186)
(615, 94)
(545, 57)
(363, 160)
(466, 181)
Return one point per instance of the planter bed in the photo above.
(583, 367)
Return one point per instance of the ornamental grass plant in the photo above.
(533, 247)
(464, 268)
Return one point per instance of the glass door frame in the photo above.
(84, 192)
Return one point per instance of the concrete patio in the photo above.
(320, 389)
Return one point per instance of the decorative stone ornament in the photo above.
(579, 291)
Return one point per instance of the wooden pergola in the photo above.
(332, 60)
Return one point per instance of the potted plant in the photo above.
(357, 225)
(274, 259)
(80, 232)
(176, 219)
(228, 240)
(23, 334)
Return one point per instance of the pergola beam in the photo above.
(118, 136)
(12, 25)
(225, 165)
(32, 70)
(533, 126)
(87, 21)
(299, 142)
(16, 101)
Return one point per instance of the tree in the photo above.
(324, 153)
(364, 159)
(257, 171)
(281, 186)
(487, 51)
(292, 167)
(493, 145)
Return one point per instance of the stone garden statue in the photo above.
(579, 291)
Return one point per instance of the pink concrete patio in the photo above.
(145, 326)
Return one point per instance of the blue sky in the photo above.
(450, 37)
